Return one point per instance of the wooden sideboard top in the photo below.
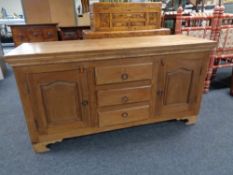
(102, 49)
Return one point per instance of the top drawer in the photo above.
(123, 73)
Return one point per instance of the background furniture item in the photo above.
(231, 89)
(34, 33)
(223, 56)
(3, 68)
(124, 20)
(125, 16)
(92, 87)
(216, 26)
(50, 11)
(88, 34)
(72, 32)
(6, 35)
(171, 17)
(85, 5)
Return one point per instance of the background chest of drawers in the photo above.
(27, 33)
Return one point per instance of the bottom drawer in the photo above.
(125, 115)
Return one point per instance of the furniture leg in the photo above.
(231, 88)
(189, 120)
(209, 73)
(42, 147)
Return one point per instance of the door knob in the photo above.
(124, 76)
(124, 99)
(124, 114)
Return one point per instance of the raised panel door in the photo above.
(59, 99)
(179, 83)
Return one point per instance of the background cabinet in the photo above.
(24, 33)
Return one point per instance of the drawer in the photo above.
(123, 96)
(123, 73)
(126, 115)
(19, 35)
(35, 35)
(50, 34)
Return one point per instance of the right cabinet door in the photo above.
(180, 84)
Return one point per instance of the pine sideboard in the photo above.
(76, 88)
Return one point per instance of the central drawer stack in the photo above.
(123, 93)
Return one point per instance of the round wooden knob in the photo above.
(124, 76)
(124, 114)
(124, 99)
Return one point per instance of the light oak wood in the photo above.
(36, 11)
(43, 147)
(123, 95)
(88, 34)
(123, 73)
(189, 120)
(50, 11)
(114, 20)
(82, 88)
(63, 12)
(123, 115)
(125, 16)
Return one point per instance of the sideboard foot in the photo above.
(189, 120)
(43, 147)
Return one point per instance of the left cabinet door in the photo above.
(59, 99)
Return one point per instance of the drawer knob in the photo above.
(49, 34)
(124, 76)
(84, 102)
(124, 114)
(124, 99)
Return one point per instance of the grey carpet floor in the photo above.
(168, 148)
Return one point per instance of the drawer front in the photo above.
(69, 35)
(123, 96)
(35, 35)
(125, 115)
(50, 34)
(123, 73)
(19, 35)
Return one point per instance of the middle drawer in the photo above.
(123, 95)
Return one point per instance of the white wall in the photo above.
(12, 6)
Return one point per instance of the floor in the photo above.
(168, 148)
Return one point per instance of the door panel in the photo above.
(60, 101)
(59, 98)
(177, 86)
(179, 83)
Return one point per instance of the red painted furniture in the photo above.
(216, 26)
(231, 89)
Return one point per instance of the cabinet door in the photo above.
(59, 99)
(180, 83)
